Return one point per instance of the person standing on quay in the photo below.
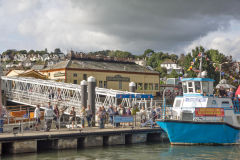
(101, 117)
(48, 115)
(83, 116)
(110, 113)
(89, 116)
(73, 116)
(57, 115)
(37, 116)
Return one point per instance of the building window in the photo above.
(140, 86)
(156, 86)
(105, 84)
(150, 86)
(100, 84)
(48, 74)
(145, 86)
(74, 74)
(74, 81)
(84, 76)
(120, 85)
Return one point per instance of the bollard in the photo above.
(91, 96)
(84, 93)
(132, 87)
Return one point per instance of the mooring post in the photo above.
(91, 96)
(83, 93)
(132, 87)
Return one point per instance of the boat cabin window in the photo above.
(178, 103)
(190, 87)
(225, 103)
(205, 86)
(197, 87)
(184, 87)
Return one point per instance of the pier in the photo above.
(32, 92)
(37, 141)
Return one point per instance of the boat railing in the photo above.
(236, 105)
(193, 114)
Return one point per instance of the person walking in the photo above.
(73, 116)
(48, 115)
(57, 116)
(83, 116)
(110, 113)
(143, 114)
(100, 114)
(104, 115)
(37, 116)
(89, 116)
(115, 113)
(134, 113)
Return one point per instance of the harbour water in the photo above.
(148, 151)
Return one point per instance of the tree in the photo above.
(57, 51)
(162, 71)
(148, 53)
(173, 74)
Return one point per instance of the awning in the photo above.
(225, 86)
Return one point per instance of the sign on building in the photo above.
(134, 96)
(118, 78)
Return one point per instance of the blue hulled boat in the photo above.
(198, 117)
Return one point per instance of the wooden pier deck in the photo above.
(34, 141)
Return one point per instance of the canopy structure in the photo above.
(223, 83)
(225, 86)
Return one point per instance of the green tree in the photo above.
(148, 52)
(57, 51)
(162, 71)
(173, 74)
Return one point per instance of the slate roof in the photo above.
(37, 67)
(100, 65)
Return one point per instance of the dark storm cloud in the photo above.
(131, 25)
(165, 23)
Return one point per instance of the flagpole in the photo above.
(200, 66)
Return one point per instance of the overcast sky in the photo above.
(175, 26)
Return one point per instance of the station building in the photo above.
(108, 74)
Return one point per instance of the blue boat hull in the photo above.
(188, 132)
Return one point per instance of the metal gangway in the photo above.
(31, 91)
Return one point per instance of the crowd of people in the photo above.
(221, 92)
(103, 116)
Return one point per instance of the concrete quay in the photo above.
(35, 141)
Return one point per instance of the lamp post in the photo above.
(220, 68)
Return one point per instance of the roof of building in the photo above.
(37, 67)
(168, 61)
(100, 65)
(14, 72)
